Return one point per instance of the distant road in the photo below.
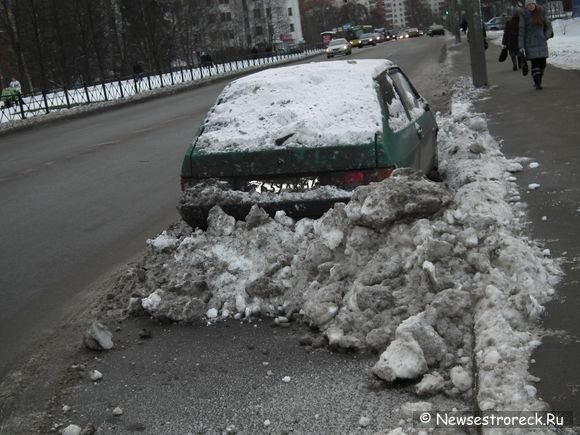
(80, 197)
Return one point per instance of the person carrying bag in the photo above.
(534, 31)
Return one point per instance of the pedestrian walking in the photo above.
(510, 37)
(534, 31)
(15, 84)
(138, 72)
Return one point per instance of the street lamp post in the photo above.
(476, 44)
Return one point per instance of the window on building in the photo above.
(195, 20)
(257, 13)
(211, 18)
(291, 27)
(289, 12)
(226, 16)
(197, 39)
(259, 31)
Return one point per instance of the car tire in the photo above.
(329, 57)
(434, 174)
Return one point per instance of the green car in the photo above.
(300, 138)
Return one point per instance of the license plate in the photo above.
(278, 186)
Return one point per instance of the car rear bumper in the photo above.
(195, 215)
(197, 201)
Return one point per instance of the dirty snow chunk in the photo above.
(476, 123)
(364, 421)
(266, 423)
(98, 337)
(431, 384)
(66, 408)
(544, 218)
(470, 239)
(429, 268)
(286, 379)
(534, 165)
(117, 411)
(72, 429)
(533, 186)
(212, 313)
(397, 431)
(460, 378)
(515, 167)
(151, 302)
(418, 329)
(546, 253)
(406, 194)
(162, 241)
(95, 375)
(401, 360)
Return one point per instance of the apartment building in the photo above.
(233, 23)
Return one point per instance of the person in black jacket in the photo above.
(510, 37)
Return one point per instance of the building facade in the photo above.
(226, 24)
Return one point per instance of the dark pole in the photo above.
(476, 44)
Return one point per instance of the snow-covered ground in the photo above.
(440, 280)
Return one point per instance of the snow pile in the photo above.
(438, 279)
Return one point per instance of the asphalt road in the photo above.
(80, 197)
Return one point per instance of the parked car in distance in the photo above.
(436, 29)
(283, 139)
(412, 32)
(496, 23)
(381, 33)
(338, 47)
(366, 39)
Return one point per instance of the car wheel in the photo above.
(328, 56)
(434, 174)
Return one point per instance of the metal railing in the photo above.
(36, 104)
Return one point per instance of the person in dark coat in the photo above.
(534, 31)
(463, 25)
(138, 72)
(510, 37)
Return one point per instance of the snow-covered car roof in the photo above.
(313, 105)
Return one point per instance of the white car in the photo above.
(337, 47)
(496, 23)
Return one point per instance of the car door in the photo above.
(421, 118)
(408, 137)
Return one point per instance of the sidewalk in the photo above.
(544, 126)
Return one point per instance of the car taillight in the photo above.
(353, 177)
